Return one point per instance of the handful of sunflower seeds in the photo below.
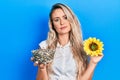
(43, 56)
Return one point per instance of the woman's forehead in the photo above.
(58, 13)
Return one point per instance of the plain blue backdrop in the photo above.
(24, 23)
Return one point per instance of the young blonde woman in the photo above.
(70, 61)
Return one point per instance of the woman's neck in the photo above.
(63, 39)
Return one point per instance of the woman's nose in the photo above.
(61, 21)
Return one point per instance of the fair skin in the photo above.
(62, 26)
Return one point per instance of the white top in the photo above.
(64, 65)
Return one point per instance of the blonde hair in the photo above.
(75, 37)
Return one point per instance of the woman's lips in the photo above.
(63, 27)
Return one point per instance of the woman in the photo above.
(65, 36)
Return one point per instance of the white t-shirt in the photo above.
(64, 65)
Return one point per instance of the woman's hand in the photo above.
(42, 72)
(95, 59)
(40, 66)
(87, 75)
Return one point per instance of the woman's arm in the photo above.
(87, 75)
(42, 72)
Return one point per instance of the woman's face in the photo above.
(60, 22)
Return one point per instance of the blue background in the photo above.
(24, 23)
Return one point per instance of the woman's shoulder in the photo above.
(43, 44)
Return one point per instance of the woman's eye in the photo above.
(65, 17)
(56, 20)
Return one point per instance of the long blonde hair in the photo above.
(75, 37)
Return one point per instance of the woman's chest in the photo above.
(63, 61)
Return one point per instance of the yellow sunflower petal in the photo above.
(93, 46)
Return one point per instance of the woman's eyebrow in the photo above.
(64, 15)
(55, 17)
(59, 17)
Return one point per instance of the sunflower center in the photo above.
(93, 46)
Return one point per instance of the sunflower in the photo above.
(93, 46)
